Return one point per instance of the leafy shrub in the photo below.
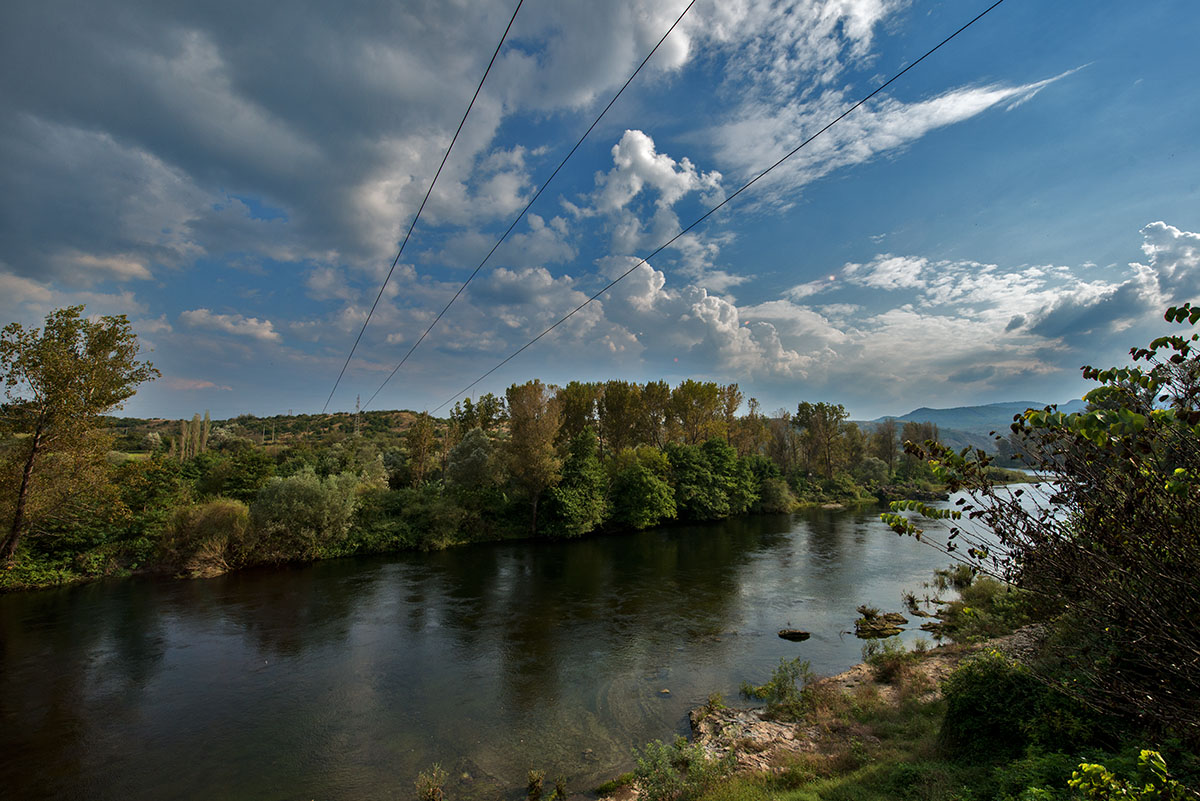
(677, 772)
(302, 516)
(206, 539)
(888, 659)
(775, 497)
(988, 700)
(787, 693)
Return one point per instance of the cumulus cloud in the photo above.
(235, 324)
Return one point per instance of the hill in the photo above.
(977, 419)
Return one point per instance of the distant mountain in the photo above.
(978, 419)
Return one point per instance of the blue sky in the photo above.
(236, 179)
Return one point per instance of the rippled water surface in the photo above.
(343, 679)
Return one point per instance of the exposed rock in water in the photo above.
(795, 635)
(873, 624)
(874, 630)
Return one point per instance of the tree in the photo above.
(577, 501)
(1111, 543)
(620, 416)
(882, 443)
(641, 496)
(695, 406)
(577, 408)
(533, 424)
(420, 441)
(819, 425)
(656, 413)
(58, 381)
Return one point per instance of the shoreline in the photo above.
(758, 745)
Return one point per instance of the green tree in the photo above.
(1113, 551)
(577, 502)
(470, 473)
(577, 408)
(58, 381)
(420, 440)
(656, 413)
(533, 464)
(695, 408)
(641, 496)
(620, 415)
(883, 444)
(820, 425)
(302, 516)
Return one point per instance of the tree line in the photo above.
(539, 461)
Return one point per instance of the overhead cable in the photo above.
(417, 216)
(716, 208)
(532, 200)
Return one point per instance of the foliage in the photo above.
(1097, 783)
(533, 787)
(888, 658)
(302, 516)
(576, 503)
(533, 464)
(1112, 542)
(430, 784)
(206, 539)
(677, 772)
(995, 707)
(641, 496)
(58, 381)
(787, 693)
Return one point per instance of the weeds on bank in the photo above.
(788, 693)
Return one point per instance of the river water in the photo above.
(343, 679)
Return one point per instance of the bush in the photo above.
(786, 700)
(888, 659)
(302, 516)
(989, 698)
(775, 497)
(206, 539)
(677, 772)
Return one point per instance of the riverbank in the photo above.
(873, 731)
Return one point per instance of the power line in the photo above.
(528, 205)
(720, 205)
(417, 216)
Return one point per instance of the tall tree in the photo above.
(883, 444)
(695, 406)
(819, 425)
(58, 381)
(731, 400)
(420, 441)
(533, 420)
(620, 415)
(577, 408)
(656, 412)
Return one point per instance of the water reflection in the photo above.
(345, 678)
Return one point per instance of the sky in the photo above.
(236, 178)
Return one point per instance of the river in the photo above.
(343, 679)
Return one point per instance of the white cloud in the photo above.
(234, 324)
(120, 267)
(760, 135)
(195, 384)
(637, 165)
(888, 272)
